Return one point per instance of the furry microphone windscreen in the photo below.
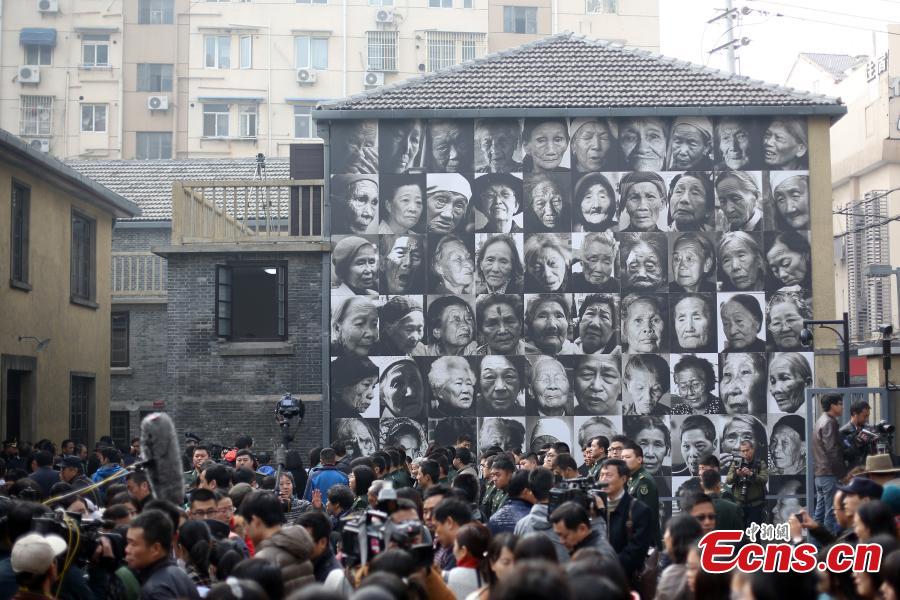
(159, 446)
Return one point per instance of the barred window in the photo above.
(447, 48)
(382, 50)
(36, 115)
(119, 331)
(81, 400)
(120, 427)
(84, 257)
(20, 223)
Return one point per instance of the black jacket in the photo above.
(631, 543)
(164, 580)
(45, 477)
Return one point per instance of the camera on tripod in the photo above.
(84, 535)
(580, 490)
(370, 534)
(877, 437)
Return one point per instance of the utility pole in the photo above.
(729, 14)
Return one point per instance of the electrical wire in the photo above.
(822, 10)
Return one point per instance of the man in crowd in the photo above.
(449, 516)
(199, 455)
(642, 486)
(855, 450)
(701, 507)
(149, 554)
(572, 524)
(215, 477)
(630, 521)
(34, 562)
(429, 474)
(748, 478)
(42, 472)
(828, 459)
(540, 482)
(565, 467)
(318, 526)
(728, 515)
(328, 475)
(517, 506)
(501, 473)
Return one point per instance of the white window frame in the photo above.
(221, 51)
(220, 119)
(601, 7)
(528, 10)
(304, 112)
(157, 12)
(312, 1)
(248, 117)
(381, 50)
(91, 114)
(91, 43)
(381, 2)
(440, 3)
(245, 52)
(310, 42)
(43, 54)
(36, 114)
(159, 140)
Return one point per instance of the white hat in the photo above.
(449, 182)
(34, 553)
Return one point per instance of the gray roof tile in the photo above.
(836, 65)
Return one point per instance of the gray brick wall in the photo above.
(129, 239)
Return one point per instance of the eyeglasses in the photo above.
(706, 517)
(205, 514)
(226, 509)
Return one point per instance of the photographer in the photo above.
(572, 523)
(857, 440)
(748, 478)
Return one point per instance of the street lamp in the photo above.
(886, 271)
(806, 338)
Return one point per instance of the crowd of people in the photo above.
(448, 524)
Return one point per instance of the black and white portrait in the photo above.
(450, 323)
(791, 493)
(644, 327)
(402, 200)
(598, 384)
(401, 388)
(742, 267)
(452, 264)
(693, 319)
(694, 438)
(451, 381)
(785, 144)
(355, 264)
(547, 318)
(447, 203)
(449, 146)
(400, 145)
(741, 322)
(740, 199)
(503, 432)
(548, 202)
(742, 382)
(653, 435)
(401, 321)
(742, 428)
(646, 378)
(693, 262)
(549, 389)
(404, 432)
(548, 430)
(692, 202)
(694, 382)
(547, 261)
(499, 198)
(498, 146)
(595, 145)
(447, 431)
(354, 202)
(643, 202)
(500, 320)
(402, 268)
(787, 445)
(501, 389)
(789, 258)
(590, 427)
(354, 325)
(594, 206)
(643, 259)
(595, 266)
(598, 324)
(359, 435)
(354, 147)
(790, 196)
(354, 387)
(499, 266)
(785, 313)
(691, 144)
(790, 374)
(644, 142)
(738, 144)
(546, 143)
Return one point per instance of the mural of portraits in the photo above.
(531, 280)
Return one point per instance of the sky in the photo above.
(825, 26)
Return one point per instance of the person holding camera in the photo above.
(856, 443)
(748, 478)
(572, 524)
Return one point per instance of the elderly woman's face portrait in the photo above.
(792, 201)
(401, 145)
(449, 146)
(738, 201)
(741, 384)
(494, 433)
(401, 263)
(653, 442)
(358, 329)
(455, 266)
(363, 269)
(780, 147)
(598, 385)
(548, 267)
(408, 332)
(405, 208)
(735, 433)
(643, 202)
(362, 438)
(457, 326)
(688, 205)
(695, 446)
(550, 385)
(643, 142)
(411, 443)
(788, 266)
(359, 148)
(595, 328)
(500, 202)
(785, 324)
(362, 200)
(693, 388)
(690, 265)
(740, 326)
(547, 145)
(496, 264)
(643, 327)
(590, 145)
(547, 203)
(644, 390)
(786, 385)
(595, 204)
(360, 395)
(501, 328)
(402, 389)
(692, 323)
(786, 449)
(499, 383)
(741, 264)
(549, 327)
(446, 210)
(734, 144)
(689, 146)
(497, 143)
(598, 263)
(458, 390)
(643, 267)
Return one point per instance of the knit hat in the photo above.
(398, 307)
(702, 123)
(344, 251)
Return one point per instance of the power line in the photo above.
(832, 23)
(822, 10)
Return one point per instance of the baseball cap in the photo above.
(861, 486)
(34, 553)
(266, 470)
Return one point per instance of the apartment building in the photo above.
(154, 79)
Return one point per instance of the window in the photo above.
(81, 402)
(312, 1)
(467, 3)
(20, 221)
(519, 19)
(120, 428)
(83, 257)
(310, 52)
(251, 301)
(215, 120)
(38, 54)
(381, 2)
(303, 121)
(217, 51)
(602, 6)
(36, 115)
(119, 354)
(448, 48)
(93, 118)
(440, 3)
(246, 52)
(156, 12)
(153, 144)
(248, 117)
(94, 50)
(382, 50)
(154, 77)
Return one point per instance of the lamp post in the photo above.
(886, 271)
(806, 338)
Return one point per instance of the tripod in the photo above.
(286, 409)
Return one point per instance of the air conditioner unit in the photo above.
(40, 145)
(48, 6)
(307, 75)
(384, 15)
(373, 78)
(29, 74)
(158, 103)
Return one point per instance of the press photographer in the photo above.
(747, 478)
(859, 439)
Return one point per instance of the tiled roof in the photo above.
(148, 183)
(570, 71)
(836, 65)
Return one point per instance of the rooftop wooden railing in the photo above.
(138, 275)
(263, 210)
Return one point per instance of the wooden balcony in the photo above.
(138, 277)
(248, 214)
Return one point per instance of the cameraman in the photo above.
(748, 479)
(856, 444)
(572, 523)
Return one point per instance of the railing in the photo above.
(138, 275)
(278, 210)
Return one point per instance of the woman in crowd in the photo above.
(193, 547)
(360, 481)
(469, 549)
(682, 532)
(498, 564)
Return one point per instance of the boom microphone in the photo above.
(159, 448)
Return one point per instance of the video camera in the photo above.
(580, 490)
(869, 439)
(370, 534)
(83, 537)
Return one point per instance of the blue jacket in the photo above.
(327, 477)
(508, 515)
(106, 471)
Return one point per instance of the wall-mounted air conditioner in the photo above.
(41, 145)
(48, 6)
(29, 74)
(373, 78)
(384, 15)
(306, 75)
(158, 103)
